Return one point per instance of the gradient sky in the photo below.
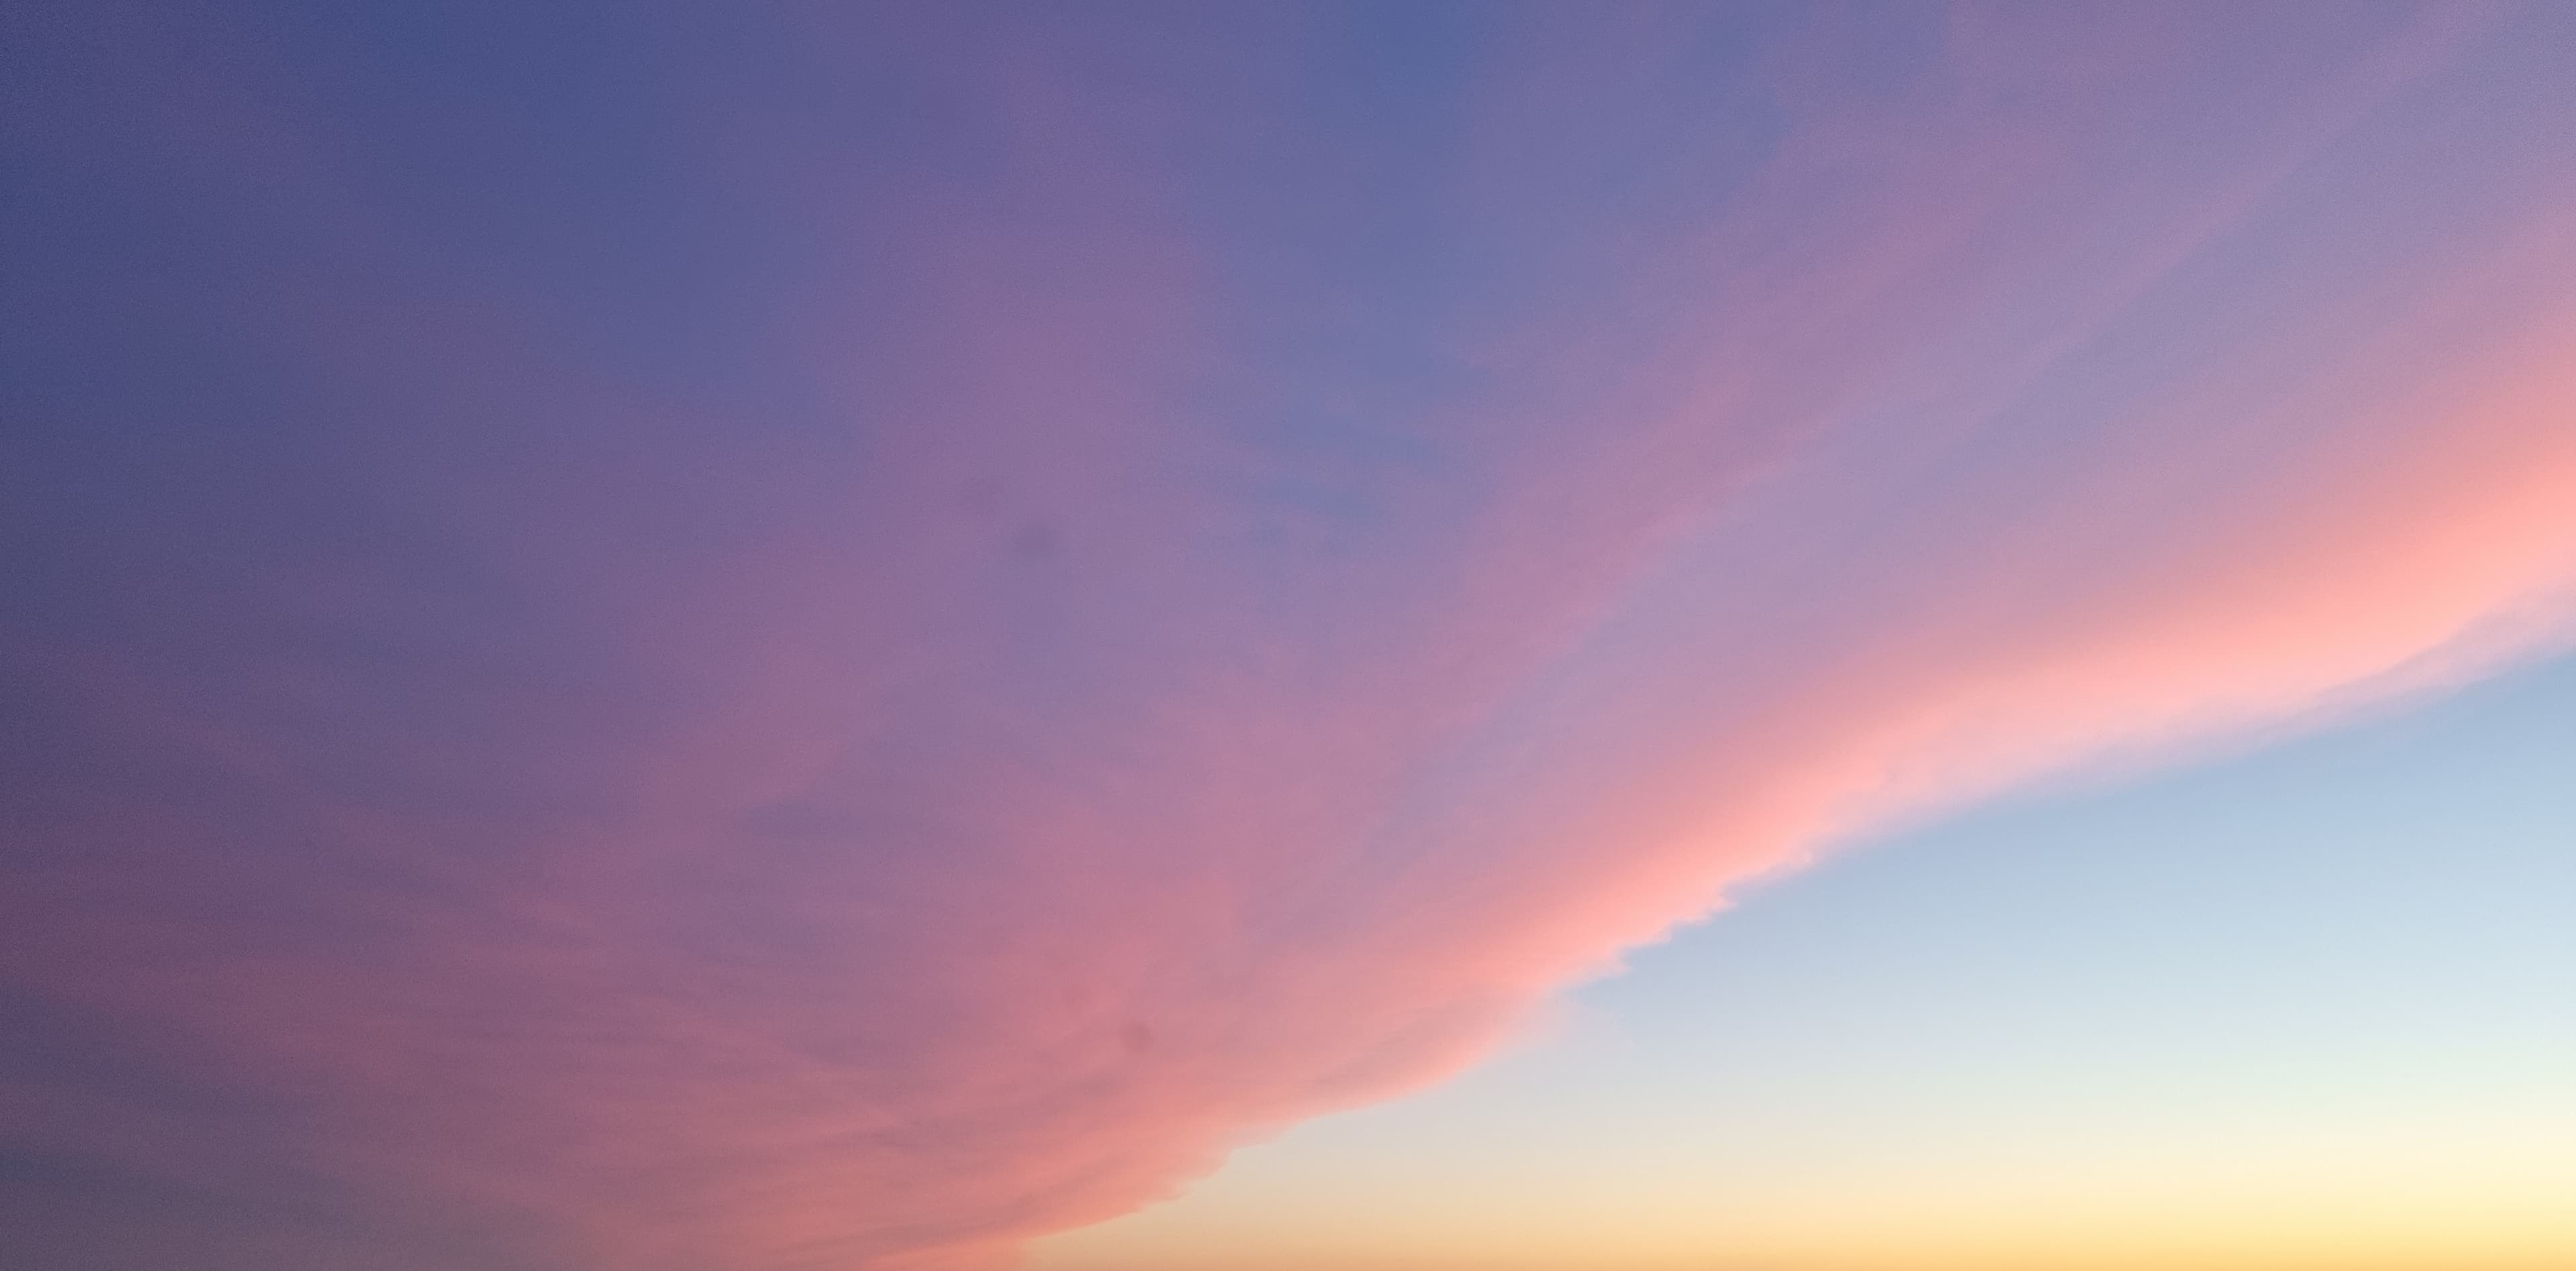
(2308, 1008)
(809, 637)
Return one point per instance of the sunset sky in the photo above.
(1259, 637)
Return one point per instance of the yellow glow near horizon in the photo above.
(2327, 1233)
(2454, 1198)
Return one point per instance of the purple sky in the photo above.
(663, 637)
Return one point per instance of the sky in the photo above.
(1444, 637)
(2308, 1007)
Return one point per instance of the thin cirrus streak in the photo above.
(674, 641)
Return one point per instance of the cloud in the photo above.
(836, 644)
